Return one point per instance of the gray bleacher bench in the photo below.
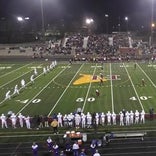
(126, 135)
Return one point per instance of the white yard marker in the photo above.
(65, 90)
(134, 87)
(111, 84)
(15, 70)
(88, 90)
(40, 91)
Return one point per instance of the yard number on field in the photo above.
(91, 99)
(33, 101)
(141, 98)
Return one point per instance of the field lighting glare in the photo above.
(20, 19)
(89, 20)
(153, 25)
(126, 18)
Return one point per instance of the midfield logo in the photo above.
(84, 79)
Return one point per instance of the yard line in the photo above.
(22, 88)
(134, 87)
(65, 90)
(112, 95)
(88, 91)
(14, 79)
(41, 90)
(15, 70)
(146, 75)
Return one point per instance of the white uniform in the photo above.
(48, 69)
(83, 120)
(136, 117)
(23, 83)
(121, 119)
(142, 117)
(77, 121)
(108, 118)
(102, 119)
(89, 120)
(3, 121)
(44, 71)
(131, 117)
(13, 120)
(127, 118)
(20, 118)
(97, 119)
(7, 95)
(32, 78)
(59, 117)
(27, 121)
(114, 118)
(35, 72)
(16, 91)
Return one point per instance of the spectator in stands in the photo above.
(75, 149)
(93, 147)
(49, 144)
(97, 153)
(55, 149)
(82, 153)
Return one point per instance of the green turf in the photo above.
(55, 91)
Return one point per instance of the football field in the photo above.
(68, 87)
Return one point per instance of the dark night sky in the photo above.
(138, 11)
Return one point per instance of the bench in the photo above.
(126, 135)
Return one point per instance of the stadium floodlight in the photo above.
(26, 18)
(89, 21)
(20, 19)
(126, 18)
(106, 15)
(152, 25)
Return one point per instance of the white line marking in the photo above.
(88, 90)
(147, 76)
(65, 90)
(112, 95)
(15, 70)
(41, 91)
(134, 87)
(22, 88)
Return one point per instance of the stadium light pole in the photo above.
(89, 22)
(42, 18)
(107, 25)
(126, 19)
(152, 25)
